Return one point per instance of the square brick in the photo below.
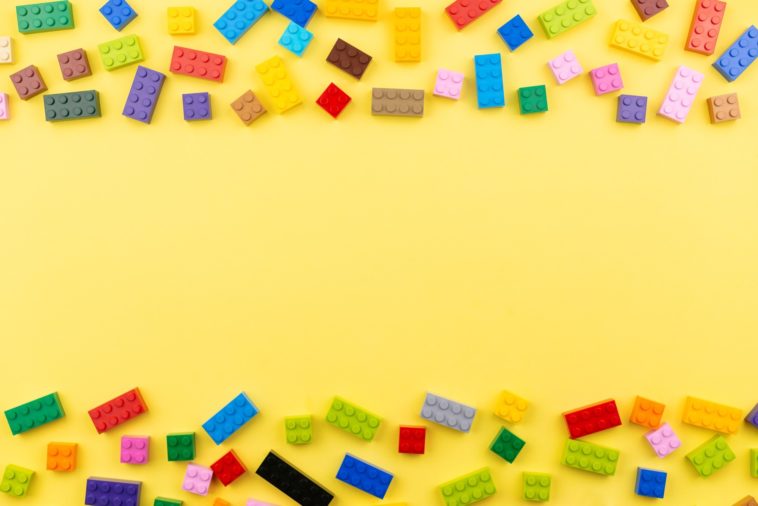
(606, 79)
(197, 479)
(248, 107)
(663, 440)
(449, 84)
(180, 446)
(412, 439)
(532, 99)
(333, 100)
(565, 67)
(28, 82)
(633, 109)
(135, 449)
(197, 106)
(15, 481)
(537, 487)
(228, 468)
(74, 64)
(298, 429)
(61, 456)
(724, 108)
(181, 20)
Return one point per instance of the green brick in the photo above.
(711, 456)
(537, 487)
(590, 457)
(34, 414)
(532, 99)
(121, 52)
(754, 463)
(507, 445)
(353, 419)
(45, 17)
(69, 106)
(16, 480)
(180, 446)
(299, 429)
(565, 16)
(162, 501)
(468, 489)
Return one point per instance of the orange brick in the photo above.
(61, 456)
(221, 502)
(647, 413)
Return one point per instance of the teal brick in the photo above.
(353, 419)
(507, 445)
(565, 16)
(468, 489)
(298, 429)
(532, 99)
(162, 501)
(711, 456)
(34, 414)
(121, 52)
(537, 487)
(70, 106)
(180, 446)
(590, 457)
(45, 17)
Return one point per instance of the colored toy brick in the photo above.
(754, 463)
(297, 11)
(507, 445)
(663, 440)
(293, 482)
(117, 411)
(254, 502)
(162, 501)
(74, 64)
(194, 63)
(752, 417)
(532, 99)
(590, 457)
(565, 67)
(724, 108)
(38, 412)
(197, 479)
(298, 429)
(637, 38)
(196, 106)
(537, 487)
(180, 446)
(102, 491)
(4, 109)
(239, 18)
(510, 407)
(349, 59)
(489, 81)
(6, 50)
(295, 39)
(566, 16)
(606, 79)
(515, 32)
(118, 13)
(697, 412)
(645, 412)
(650, 483)
(228, 468)
(333, 100)
(469, 489)
(360, 10)
(121, 52)
(230, 418)
(593, 418)
(16, 480)
(448, 413)
(353, 419)
(135, 449)
(705, 27)
(649, 8)
(280, 87)
(739, 56)
(144, 94)
(181, 21)
(464, 12)
(412, 440)
(70, 106)
(364, 476)
(248, 107)
(407, 21)
(449, 84)
(220, 502)
(45, 17)
(397, 102)
(28, 82)
(676, 106)
(711, 456)
(747, 501)
(61, 456)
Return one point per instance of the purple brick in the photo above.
(143, 97)
(107, 491)
(196, 106)
(752, 417)
(631, 109)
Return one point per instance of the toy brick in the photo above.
(45, 17)
(298, 429)
(196, 106)
(197, 479)
(711, 456)
(397, 102)
(469, 488)
(109, 491)
(135, 449)
(144, 94)
(532, 99)
(606, 79)
(6, 49)
(121, 52)
(118, 13)
(650, 483)
(28, 82)
(333, 100)
(464, 12)
(230, 418)
(61, 456)
(295, 39)
(449, 84)
(293, 482)
(510, 407)
(279, 85)
(590, 457)
(489, 81)
(4, 110)
(74, 64)
(239, 18)
(663, 440)
(254, 502)
(162, 501)
(565, 67)
(752, 417)
(515, 32)
(220, 502)
(71, 106)
(754, 463)
(360, 10)
(297, 11)
(353, 419)
(566, 16)
(739, 56)
(117, 411)
(194, 63)
(248, 107)
(412, 439)
(593, 418)
(705, 27)
(649, 8)
(407, 22)
(180, 446)
(507, 445)
(181, 20)
(16, 481)
(364, 476)
(537, 487)
(38, 412)
(698, 412)
(448, 413)
(349, 59)
(747, 501)
(645, 412)
(637, 38)
(724, 108)
(228, 468)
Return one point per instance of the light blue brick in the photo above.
(489, 81)
(239, 18)
(364, 476)
(230, 418)
(296, 39)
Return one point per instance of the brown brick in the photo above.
(28, 82)
(724, 108)
(747, 501)
(248, 107)
(349, 58)
(397, 102)
(74, 64)
(649, 8)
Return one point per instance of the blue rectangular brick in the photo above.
(239, 18)
(489, 81)
(143, 97)
(230, 418)
(297, 11)
(364, 476)
(118, 13)
(739, 56)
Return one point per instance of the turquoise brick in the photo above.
(34, 414)
(295, 39)
(45, 17)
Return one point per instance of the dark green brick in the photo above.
(162, 501)
(532, 99)
(181, 446)
(34, 414)
(69, 106)
(507, 445)
(45, 17)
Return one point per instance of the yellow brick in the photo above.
(362, 10)
(712, 416)
(637, 38)
(280, 87)
(407, 34)
(181, 20)
(510, 407)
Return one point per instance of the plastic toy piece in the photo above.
(220, 502)
(297, 11)
(45, 17)
(4, 112)
(590, 457)
(606, 79)
(510, 407)
(117, 411)
(298, 429)
(645, 412)
(144, 95)
(6, 50)
(593, 418)
(507, 445)
(28, 83)
(397, 102)
(197, 479)
(633, 109)
(407, 21)
(637, 38)
(705, 27)
(239, 18)
(333, 100)
(515, 32)
(747, 501)
(74, 64)
(70, 106)
(565, 67)
(121, 52)
(254, 502)
(711, 456)
(752, 417)
(663, 440)
(447, 413)
(724, 108)
(649, 8)
(697, 412)
(532, 99)
(349, 59)
(135, 449)
(566, 16)
(109, 491)
(38, 412)
(353, 419)
(194, 63)
(228, 468)
(61, 456)
(489, 81)
(469, 489)
(449, 84)
(295, 39)
(537, 487)
(280, 87)
(293, 482)
(180, 446)
(16, 480)
(677, 105)
(196, 106)
(364, 476)
(248, 107)
(118, 13)
(162, 501)
(181, 20)
(360, 10)
(739, 56)
(412, 439)
(754, 463)
(230, 418)
(464, 12)
(650, 483)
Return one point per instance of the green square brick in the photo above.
(34, 414)
(532, 99)
(353, 419)
(70, 106)
(16, 480)
(590, 457)
(162, 501)
(298, 429)
(44, 17)
(565, 16)
(537, 487)
(507, 445)
(754, 463)
(468, 489)
(120, 52)
(711, 456)
(181, 446)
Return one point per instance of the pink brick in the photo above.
(4, 114)
(681, 94)
(197, 479)
(448, 84)
(607, 79)
(565, 67)
(134, 449)
(253, 502)
(663, 440)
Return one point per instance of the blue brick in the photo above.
(144, 94)
(239, 18)
(739, 56)
(515, 32)
(197, 106)
(296, 38)
(230, 418)
(489, 81)
(364, 476)
(108, 491)
(298, 11)
(118, 13)
(650, 483)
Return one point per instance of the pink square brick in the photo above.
(449, 84)
(663, 440)
(607, 79)
(565, 67)
(4, 113)
(134, 449)
(197, 479)
(681, 94)
(253, 502)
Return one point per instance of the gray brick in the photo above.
(448, 413)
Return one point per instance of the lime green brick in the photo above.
(711, 456)
(537, 487)
(507, 445)
(468, 489)
(299, 429)
(162, 501)
(33, 414)
(44, 17)
(590, 457)
(353, 419)
(180, 446)
(121, 52)
(565, 16)
(754, 463)
(16, 480)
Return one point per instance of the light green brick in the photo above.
(754, 463)
(299, 429)
(16, 480)
(44, 17)
(565, 16)
(711, 456)
(468, 489)
(353, 419)
(590, 457)
(537, 487)
(120, 52)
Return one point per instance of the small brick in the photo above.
(565, 67)
(74, 64)
(449, 84)
(333, 100)
(118, 13)
(507, 445)
(645, 412)
(295, 39)
(515, 32)
(724, 108)
(349, 59)
(297, 11)
(633, 109)
(748, 500)
(197, 479)
(196, 106)
(180, 446)
(299, 429)
(532, 99)
(649, 8)
(28, 82)
(510, 407)
(537, 487)
(16, 480)
(228, 468)
(412, 439)
(4, 108)
(181, 20)
(135, 449)
(663, 440)
(606, 79)
(248, 107)
(650, 483)
(61, 457)
(6, 50)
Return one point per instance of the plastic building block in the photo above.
(754, 463)
(632, 109)
(590, 457)
(248, 107)
(295, 39)
(705, 27)
(515, 32)
(447, 413)
(144, 95)
(162, 501)
(353, 419)
(220, 502)
(121, 52)
(196, 106)
(449, 84)
(360, 10)
(45, 17)
(4, 112)
(16, 480)
(349, 58)
(397, 102)
(637, 38)
(752, 417)
(135, 449)
(510, 407)
(364, 476)
(180, 446)
(407, 21)
(747, 501)
(254, 502)
(593, 418)
(676, 106)
(412, 440)
(333, 100)
(61, 456)
(40, 411)
(293, 482)
(697, 412)
(70, 106)
(537, 487)
(197, 479)
(711, 456)
(181, 21)
(297, 11)
(230, 418)
(299, 429)
(650, 483)
(194, 63)
(280, 87)
(649, 8)
(724, 108)
(739, 56)
(565, 67)
(663, 440)
(28, 82)
(507, 445)
(117, 411)
(109, 491)
(464, 12)
(606, 79)
(118, 13)
(228, 468)
(239, 18)
(532, 99)
(645, 412)
(469, 489)
(6, 50)
(489, 81)
(74, 64)
(566, 16)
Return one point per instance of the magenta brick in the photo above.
(448, 84)
(681, 95)
(197, 479)
(663, 440)
(135, 449)
(607, 79)
(565, 67)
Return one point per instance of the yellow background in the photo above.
(562, 256)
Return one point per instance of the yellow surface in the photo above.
(560, 256)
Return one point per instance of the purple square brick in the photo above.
(752, 417)
(143, 97)
(134, 449)
(631, 109)
(663, 440)
(107, 491)
(197, 106)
